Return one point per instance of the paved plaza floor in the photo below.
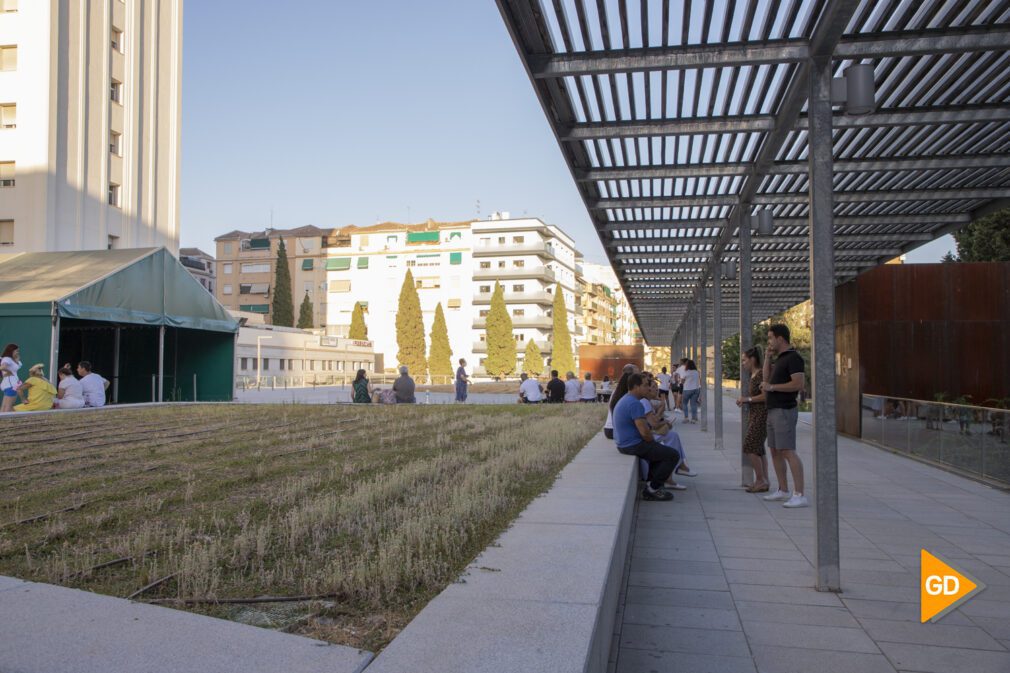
(721, 581)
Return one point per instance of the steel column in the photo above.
(717, 354)
(703, 374)
(746, 330)
(822, 291)
(161, 363)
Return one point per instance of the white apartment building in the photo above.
(626, 325)
(529, 258)
(201, 266)
(90, 111)
(368, 265)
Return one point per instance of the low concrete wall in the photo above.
(544, 596)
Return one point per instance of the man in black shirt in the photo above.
(555, 388)
(782, 383)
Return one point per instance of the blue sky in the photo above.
(336, 113)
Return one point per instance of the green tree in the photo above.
(501, 345)
(359, 330)
(305, 313)
(283, 304)
(533, 359)
(986, 239)
(562, 357)
(440, 355)
(949, 258)
(410, 329)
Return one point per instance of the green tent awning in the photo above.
(145, 286)
(422, 237)
(259, 244)
(255, 308)
(338, 264)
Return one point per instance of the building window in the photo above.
(6, 173)
(340, 286)
(6, 232)
(117, 40)
(8, 5)
(226, 267)
(116, 143)
(256, 267)
(266, 363)
(226, 289)
(226, 249)
(283, 362)
(254, 288)
(308, 287)
(244, 363)
(116, 92)
(455, 258)
(518, 312)
(501, 264)
(411, 263)
(113, 242)
(518, 263)
(485, 289)
(9, 115)
(483, 313)
(114, 194)
(9, 58)
(501, 240)
(518, 239)
(485, 265)
(518, 288)
(291, 365)
(454, 303)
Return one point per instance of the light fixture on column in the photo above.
(765, 223)
(855, 90)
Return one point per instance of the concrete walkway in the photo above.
(721, 581)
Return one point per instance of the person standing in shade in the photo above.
(462, 381)
(93, 385)
(529, 390)
(678, 380)
(783, 381)
(572, 388)
(664, 387)
(692, 392)
(588, 389)
(403, 387)
(634, 438)
(757, 421)
(555, 388)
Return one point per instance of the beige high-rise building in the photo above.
(90, 113)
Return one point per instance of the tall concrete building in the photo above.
(90, 112)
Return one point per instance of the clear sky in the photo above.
(333, 113)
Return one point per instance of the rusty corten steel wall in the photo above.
(932, 328)
(609, 360)
(847, 382)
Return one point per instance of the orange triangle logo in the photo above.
(942, 588)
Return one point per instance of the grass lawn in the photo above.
(361, 513)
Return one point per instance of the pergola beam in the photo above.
(970, 193)
(614, 243)
(941, 219)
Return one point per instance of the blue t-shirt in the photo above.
(627, 409)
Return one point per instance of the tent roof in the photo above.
(142, 286)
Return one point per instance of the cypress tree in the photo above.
(410, 329)
(562, 358)
(305, 313)
(359, 330)
(501, 345)
(283, 304)
(440, 355)
(533, 360)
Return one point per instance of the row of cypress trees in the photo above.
(501, 348)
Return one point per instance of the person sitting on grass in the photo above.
(94, 385)
(555, 388)
(529, 390)
(588, 389)
(403, 387)
(573, 390)
(37, 391)
(361, 389)
(634, 438)
(70, 394)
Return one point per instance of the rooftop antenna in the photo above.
(478, 209)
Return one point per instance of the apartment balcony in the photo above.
(544, 346)
(542, 298)
(540, 249)
(515, 273)
(533, 321)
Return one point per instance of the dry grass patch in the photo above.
(362, 514)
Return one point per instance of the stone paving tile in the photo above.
(783, 613)
(775, 565)
(676, 554)
(773, 659)
(672, 580)
(779, 578)
(697, 641)
(972, 637)
(791, 595)
(896, 611)
(687, 598)
(809, 636)
(933, 659)
(652, 565)
(788, 553)
(660, 615)
(639, 661)
(994, 626)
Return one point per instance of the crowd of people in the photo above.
(37, 393)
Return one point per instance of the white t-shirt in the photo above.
(73, 390)
(588, 390)
(679, 373)
(10, 365)
(609, 425)
(572, 390)
(692, 380)
(664, 382)
(93, 387)
(531, 389)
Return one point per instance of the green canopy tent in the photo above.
(143, 321)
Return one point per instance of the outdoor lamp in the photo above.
(855, 90)
(765, 223)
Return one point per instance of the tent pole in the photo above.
(161, 363)
(54, 349)
(115, 367)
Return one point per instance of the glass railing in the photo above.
(971, 439)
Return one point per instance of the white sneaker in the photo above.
(676, 487)
(797, 500)
(777, 495)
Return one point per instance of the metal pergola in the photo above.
(679, 120)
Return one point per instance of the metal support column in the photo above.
(694, 336)
(54, 350)
(115, 365)
(161, 363)
(717, 354)
(703, 329)
(746, 331)
(822, 292)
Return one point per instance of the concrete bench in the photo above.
(544, 596)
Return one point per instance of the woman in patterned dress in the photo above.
(757, 430)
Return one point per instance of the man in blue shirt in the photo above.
(634, 438)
